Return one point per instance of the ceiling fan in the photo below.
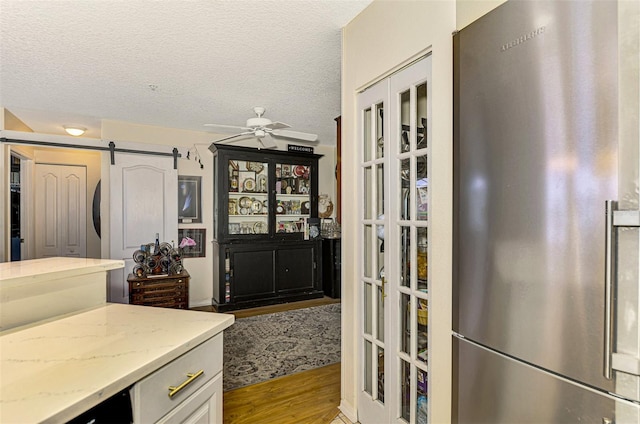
(263, 128)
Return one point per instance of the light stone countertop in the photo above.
(42, 270)
(55, 371)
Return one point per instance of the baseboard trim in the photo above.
(349, 411)
(200, 304)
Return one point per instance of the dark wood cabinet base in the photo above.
(224, 307)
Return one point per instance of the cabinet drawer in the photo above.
(150, 395)
(204, 406)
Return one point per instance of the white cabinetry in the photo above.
(188, 389)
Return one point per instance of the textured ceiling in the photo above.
(171, 63)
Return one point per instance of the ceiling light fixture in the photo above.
(74, 130)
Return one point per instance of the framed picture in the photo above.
(199, 236)
(189, 195)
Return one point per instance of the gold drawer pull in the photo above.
(174, 390)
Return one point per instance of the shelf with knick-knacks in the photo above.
(267, 194)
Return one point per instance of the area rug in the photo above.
(263, 347)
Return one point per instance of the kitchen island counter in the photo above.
(41, 289)
(54, 371)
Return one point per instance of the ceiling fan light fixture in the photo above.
(74, 130)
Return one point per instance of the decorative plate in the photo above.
(259, 228)
(245, 202)
(256, 206)
(256, 167)
(244, 211)
(249, 184)
(298, 171)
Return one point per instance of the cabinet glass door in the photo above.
(293, 197)
(248, 197)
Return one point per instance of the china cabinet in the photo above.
(264, 249)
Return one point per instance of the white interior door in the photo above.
(143, 201)
(409, 193)
(394, 131)
(373, 345)
(61, 206)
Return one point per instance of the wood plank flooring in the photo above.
(309, 397)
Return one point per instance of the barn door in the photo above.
(143, 199)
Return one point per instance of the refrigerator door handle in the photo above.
(615, 218)
(609, 276)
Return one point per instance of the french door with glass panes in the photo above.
(395, 137)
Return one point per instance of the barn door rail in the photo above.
(112, 149)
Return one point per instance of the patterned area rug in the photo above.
(262, 347)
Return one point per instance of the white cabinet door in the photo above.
(60, 210)
(143, 201)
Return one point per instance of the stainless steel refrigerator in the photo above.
(546, 258)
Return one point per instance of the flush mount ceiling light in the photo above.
(74, 130)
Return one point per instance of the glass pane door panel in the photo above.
(380, 190)
(405, 258)
(422, 410)
(366, 134)
(379, 131)
(404, 123)
(368, 189)
(380, 374)
(422, 321)
(422, 260)
(405, 307)
(422, 188)
(368, 386)
(368, 313)
(405, 390)
(368, 247)
(293, 201)
(248, 206)
(422, 104)
(380, 333)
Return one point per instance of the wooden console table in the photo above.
(167, 291)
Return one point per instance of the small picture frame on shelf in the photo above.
(189, 203)
(199, 236)
(313, 228)
(247, 182)
(303, 186)
(286, 170)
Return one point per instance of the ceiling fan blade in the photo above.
(268, 142)
(226, 128)
(232, 136)
(295, 134)
(277, 125)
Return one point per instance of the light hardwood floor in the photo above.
(309, 397)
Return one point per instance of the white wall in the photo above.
(383, 38)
